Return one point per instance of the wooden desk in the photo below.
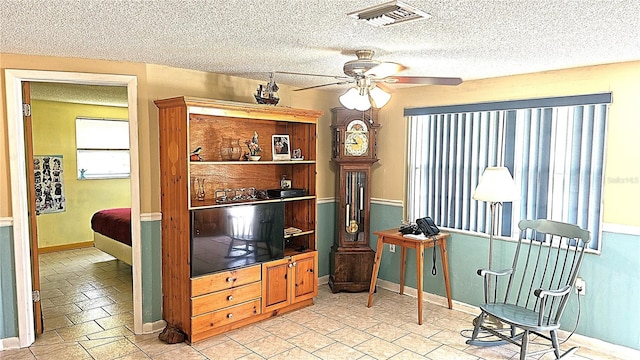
(392, 236)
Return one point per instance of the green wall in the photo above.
(151, 248)
(9, 308)
(54, 134)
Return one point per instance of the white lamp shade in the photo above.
(496, 185)
(353, 100)
(379, 97)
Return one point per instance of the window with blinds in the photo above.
(102, 148)
(553, 147)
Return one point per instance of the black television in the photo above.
(234, 236)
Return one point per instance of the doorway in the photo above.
(19, 202)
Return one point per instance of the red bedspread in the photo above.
(114, 223)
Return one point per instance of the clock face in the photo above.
(356, 143)
(357, 125)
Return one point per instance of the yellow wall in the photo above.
(621, 199)
(54, 134)
(156, 82)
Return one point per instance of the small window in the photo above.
(102, 148)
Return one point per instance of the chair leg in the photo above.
(479, 321)
(554, 342)
(524, 346)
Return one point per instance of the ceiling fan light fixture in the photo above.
(378, 97)
(390, 13)
(353, 100)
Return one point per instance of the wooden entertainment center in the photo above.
(206, 305)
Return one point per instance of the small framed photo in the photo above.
(280, 147)
(285, 184)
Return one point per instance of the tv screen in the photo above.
(234, 236)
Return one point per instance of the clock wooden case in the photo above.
(354, 152)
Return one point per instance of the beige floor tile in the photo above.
(88, 315)
(78, 331)
(283, 328)
(449, 353)
(407, 355)
(350, 336)
(57, 322)
(311, 341)
(18, 354)
(66, 351)
(379, 348)
(113, 350)
(60, 310)
(113, 321)
(417, 343)
(269, 346)
(227, 349)
(181, 353)
(295, 353)
(338, 351)
(386, 331)
(247, 334)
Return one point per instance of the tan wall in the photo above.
(621, 199)
(155, 82)
(54, 134)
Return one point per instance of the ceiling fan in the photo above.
(369, 75)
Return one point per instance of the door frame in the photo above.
(19, 202)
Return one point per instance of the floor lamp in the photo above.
(496, 186)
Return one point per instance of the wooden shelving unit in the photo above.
(197, 306)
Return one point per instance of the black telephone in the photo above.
(427, 226)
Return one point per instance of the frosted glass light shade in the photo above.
(496, 185)
(379, 97)
(353, 100)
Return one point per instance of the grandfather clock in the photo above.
(354, 152)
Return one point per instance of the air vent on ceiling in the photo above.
(390, 13)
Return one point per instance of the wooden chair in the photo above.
(530, 297)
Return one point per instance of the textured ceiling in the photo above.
(470, 39)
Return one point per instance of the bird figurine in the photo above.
(195, 154)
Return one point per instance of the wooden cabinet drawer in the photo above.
(225, 298)
(224, 280)
(225, 316)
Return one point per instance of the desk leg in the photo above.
(376, 267)
(403, 267)
(445, 269)
(420, 278)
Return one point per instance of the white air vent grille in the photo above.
(391, 13)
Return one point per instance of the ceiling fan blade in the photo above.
(385, 69)
(306, 74)
(323, 85)
(422, 80)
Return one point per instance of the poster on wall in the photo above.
(49, 184)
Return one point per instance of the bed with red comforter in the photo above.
(112, 232)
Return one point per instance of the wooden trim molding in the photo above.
(80, 245)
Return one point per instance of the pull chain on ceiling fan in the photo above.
(368, 75)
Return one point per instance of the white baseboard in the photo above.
(323, 280)
(9, 343)
(148, 328)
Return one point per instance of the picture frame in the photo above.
(280, 147)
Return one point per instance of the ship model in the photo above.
(267, 94)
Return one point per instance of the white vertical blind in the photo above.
(555, 153)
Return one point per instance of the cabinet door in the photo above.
(305, 276)
(276, 285)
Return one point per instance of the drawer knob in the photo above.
(230, 297)
(230, 279)
(229, 316)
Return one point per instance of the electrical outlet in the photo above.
(392, 248)
(581, 286)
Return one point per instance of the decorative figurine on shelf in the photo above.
(254, 148)
(195, 154)
(267, 94)
(297, 155)
(285, 183)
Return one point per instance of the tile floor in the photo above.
(87, 305)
